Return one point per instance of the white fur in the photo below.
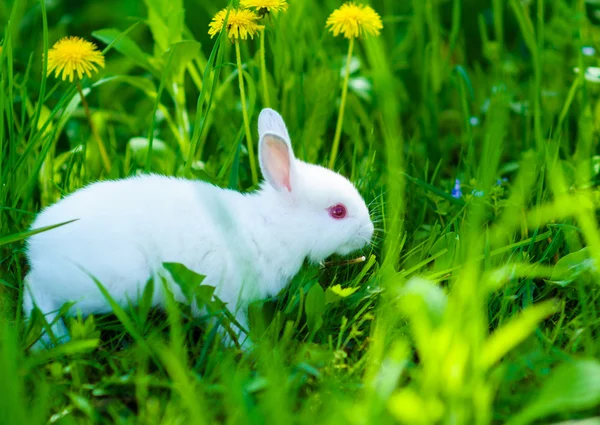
(248, 246)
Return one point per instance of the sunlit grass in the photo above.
(477, 308)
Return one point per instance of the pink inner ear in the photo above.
(277, 161)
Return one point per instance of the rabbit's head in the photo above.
(327, 213)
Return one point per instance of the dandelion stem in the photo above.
(245, 114)
(340, 121)
(88, 114)
(263, 70)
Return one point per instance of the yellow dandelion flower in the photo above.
(265, 6)
(241, 23)
(71, 55)
(354, 20)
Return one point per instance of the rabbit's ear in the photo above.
(270, 122)
(275, 152)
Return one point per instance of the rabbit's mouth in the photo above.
(350, 247)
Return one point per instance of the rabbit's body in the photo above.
(126, 247)
(248, 246)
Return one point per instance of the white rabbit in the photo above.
(249, 246)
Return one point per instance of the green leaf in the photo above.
(571, 387)
(125, 46)
(409, 407)
(511, 334)
(145, 302)
(163, 158)
(526, 26)
(447, 242)
(144, 84)
(83, 329)
(202, 114)
(235, 165)
(124, 318)
(205, 294)
(184, 383)
(183, 53)
(83, 405)
(70, 348)
(421, 299)
(166, 21)
(572, 265)
(315, 307)
(163, 80)
(24, 235)
(185, 278)
(336, 293)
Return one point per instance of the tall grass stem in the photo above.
(251, 156)
(88, 114)
(340, 121)
(263, 71)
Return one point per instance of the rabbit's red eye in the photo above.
(337, 211)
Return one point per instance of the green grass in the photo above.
(482, 309)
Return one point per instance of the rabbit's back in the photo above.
(124, 231)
